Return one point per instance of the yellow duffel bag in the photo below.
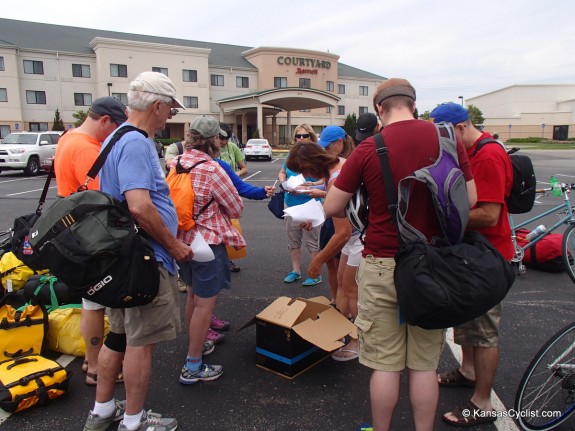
(64, 332)
(12, 268)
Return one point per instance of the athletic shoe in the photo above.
(292, 276)
(218, 324)
(98, 423)
(153, 422)
(214, 336)
(234, 267)
(312, 281)
(209, 347)
(204, 374)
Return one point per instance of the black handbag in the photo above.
(276, 204)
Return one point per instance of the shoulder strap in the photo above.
(382, 153)
(99, 162)
(42, 199)
(481, 143)
(180, 147)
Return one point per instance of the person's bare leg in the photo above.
(384, 393)
(332, 265)
(92, 326)
(423, 395)
(109, 362)
(295, 254)
(199, 324)
(486, 360)
(137, 371)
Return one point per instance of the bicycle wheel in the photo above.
(569, 251)
(548, 384)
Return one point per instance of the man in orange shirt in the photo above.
(75, 154)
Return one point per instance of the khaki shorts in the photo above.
(295, 235)
(384, 343)
(153, 322)
(480, 332)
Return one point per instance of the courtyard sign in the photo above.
(305, 62)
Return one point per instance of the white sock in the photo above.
(104, 409)
(132, 422)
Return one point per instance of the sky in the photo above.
(445, 49)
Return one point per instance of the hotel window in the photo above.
(363, 110)
(305, 110)
(217, 80)
(328, 110)
(280, 82)
(189, 75)
(190, 102)
(122, 97)
(163, 70)
(3, 95)
(120, 70)
(242, 82)
(304, 83)
(81, 70)
(363, 91)
(34, 67)
(2, 63)
(329, 86)
(39, 127)
(82, 99)
(4, 130)
(340, 89)
(35, 97)
(340, 110)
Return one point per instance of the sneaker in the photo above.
(98, 423)
(312, 281)
(234, 267)
(292, 276)
(209, 347)
(214, 336)
(153, 422)
(204, 374)
(218, 324)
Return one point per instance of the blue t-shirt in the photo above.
(291, 199)
(133, 164)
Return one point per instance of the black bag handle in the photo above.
(42, 199)
(382, 154)
(99, 162)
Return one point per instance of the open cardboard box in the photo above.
(292, 335)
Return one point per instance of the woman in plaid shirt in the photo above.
(213, 189)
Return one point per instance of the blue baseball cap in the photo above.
(449, 112)
(331, 134)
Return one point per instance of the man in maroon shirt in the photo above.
(388, 345)
(478, 338)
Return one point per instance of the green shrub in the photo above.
(168, 141)
(530, 140)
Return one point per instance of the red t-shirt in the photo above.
(493, 176)
(412, 144)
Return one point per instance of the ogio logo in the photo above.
(34, 234)
(96, 287)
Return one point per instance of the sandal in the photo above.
(469, 415)
(92, 378)
(453, 378)
(349, 355)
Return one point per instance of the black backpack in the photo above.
(522, 195)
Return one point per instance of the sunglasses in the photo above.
(302, 136)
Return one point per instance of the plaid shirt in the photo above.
(210, 181)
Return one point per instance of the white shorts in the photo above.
(352, 249)
(91, 305)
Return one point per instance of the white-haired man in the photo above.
(132, 172)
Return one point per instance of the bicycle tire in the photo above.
(569, 251)
(543, 389)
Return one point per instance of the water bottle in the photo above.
(536, 232)
(555, 187)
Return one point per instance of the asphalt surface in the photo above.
(330, 396)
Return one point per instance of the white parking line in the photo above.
(29, 191)
(502, 423)
(252, 175)
(23, 179)
(63, 360)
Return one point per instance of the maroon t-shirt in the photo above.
(412, 144)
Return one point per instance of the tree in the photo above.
(350, 124)
(425, 116)
(80, 116)
(256, 134)
(58, 123)
(475, 115)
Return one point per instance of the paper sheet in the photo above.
(201, 249)
(293, 182)
(311, 211)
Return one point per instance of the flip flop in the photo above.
(453, 379)
(473, 416)
(354, 355)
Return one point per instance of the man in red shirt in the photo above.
(478, 338)
(387, 345)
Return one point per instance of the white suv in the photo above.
(25, 150)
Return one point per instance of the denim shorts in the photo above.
(207, 278)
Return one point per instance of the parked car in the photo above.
(46, 164)
(25, 150)
(256, 148)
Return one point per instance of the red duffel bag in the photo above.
(546, 255)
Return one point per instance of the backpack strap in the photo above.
(180, 147)
(382, 154)
(42, 199)
(485, 141)
(99, 162)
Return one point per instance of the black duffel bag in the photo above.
(441, 287)
(50, 291)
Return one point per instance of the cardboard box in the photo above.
(292, 335)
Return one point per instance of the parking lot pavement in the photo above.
(332, 395)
